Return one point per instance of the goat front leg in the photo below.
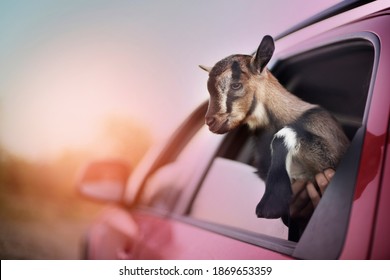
(276, 199)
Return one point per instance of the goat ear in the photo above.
(205, 68)
(264, 53)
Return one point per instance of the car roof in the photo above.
(339, 8)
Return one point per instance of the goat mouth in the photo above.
(220, 128)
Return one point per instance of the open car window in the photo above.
(209, 180)
(337, 77)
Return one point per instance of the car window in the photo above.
(337, 77)
(332, 76)
(228, 196)
(209, 180)
(164, 186)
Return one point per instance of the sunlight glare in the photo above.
(62, 96)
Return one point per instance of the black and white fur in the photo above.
(297, 139)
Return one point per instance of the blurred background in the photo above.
(89, 79)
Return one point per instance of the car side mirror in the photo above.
(104, 180)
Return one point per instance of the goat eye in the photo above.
(236, 86)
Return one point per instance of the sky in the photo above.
(67, 65)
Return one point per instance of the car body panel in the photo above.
(167, 238)
(381, 240)
(362, 221)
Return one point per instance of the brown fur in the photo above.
(243, 91)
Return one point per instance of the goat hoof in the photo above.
(270, 210)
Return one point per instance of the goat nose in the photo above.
(210, 121)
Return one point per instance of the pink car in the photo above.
(194, 197)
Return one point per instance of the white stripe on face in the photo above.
(222, 88)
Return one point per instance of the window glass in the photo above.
(167, 183)
(229, 195)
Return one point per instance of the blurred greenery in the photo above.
(41, 214)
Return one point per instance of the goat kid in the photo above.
(304, 138)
